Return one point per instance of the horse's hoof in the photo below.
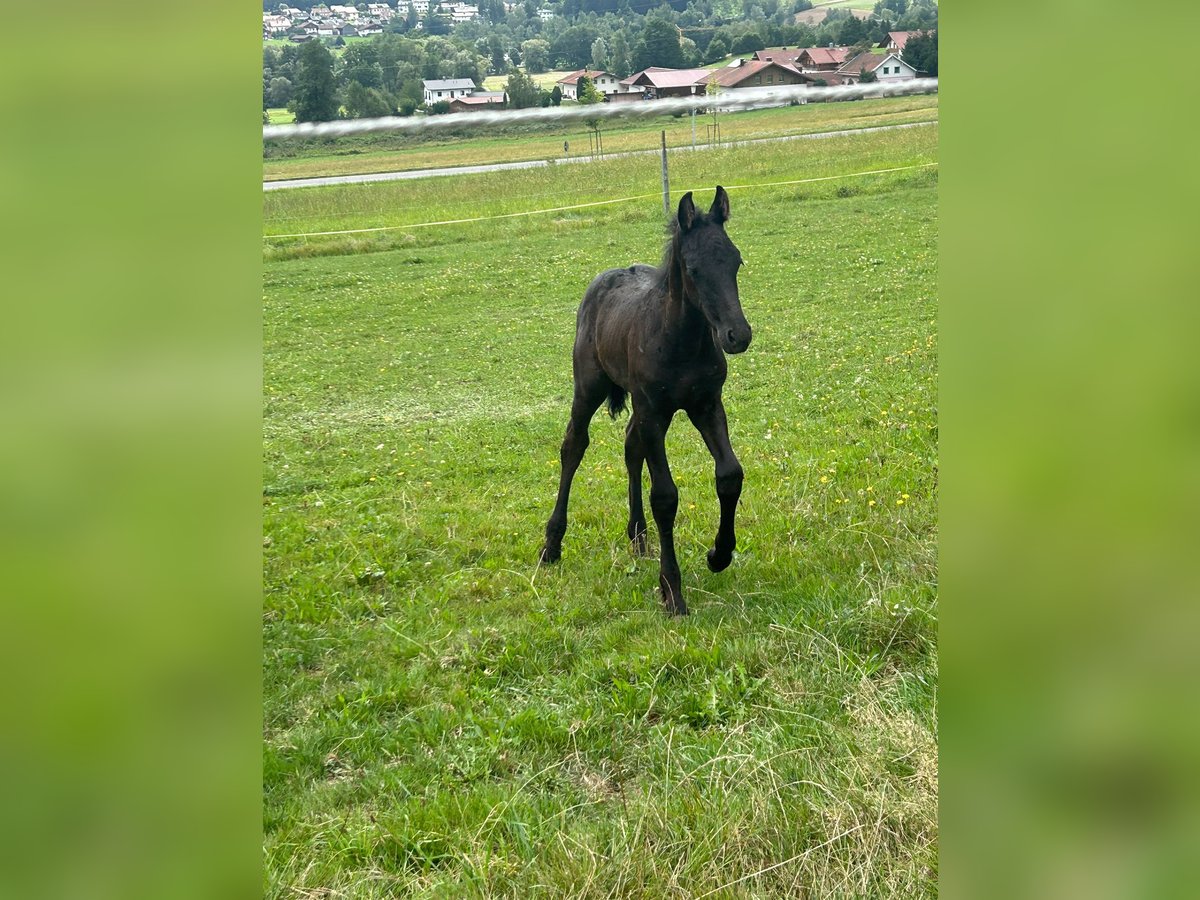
(550, 555)
(672, 600)
(678, 608)
(719, 562)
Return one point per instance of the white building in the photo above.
(462, 12)
(447, 89)
(606, 83)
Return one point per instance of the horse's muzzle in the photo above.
(735, 340)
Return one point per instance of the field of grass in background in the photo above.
(544, 80)
(362, 154)
(442, 716)
(280, 116)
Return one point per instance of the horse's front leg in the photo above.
(664, 502)
(714, 428)
(634, 458)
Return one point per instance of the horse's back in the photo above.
(616, 289)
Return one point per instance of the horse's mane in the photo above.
(670, 251)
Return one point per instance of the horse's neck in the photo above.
(681, 316)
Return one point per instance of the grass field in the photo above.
(445, 718)
(544, 80)
(281, 116)
(393, 153)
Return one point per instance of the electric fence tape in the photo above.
(535, 212)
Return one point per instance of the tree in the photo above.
(495, 47)
(360, 62)
(851, 31)
(573, 48)
(586, 93)
(556, 95)
(537, 55)
(920, 52)
(658, 45)
(599, 54)
(717, 49)
(748, 42)
(280, 92)
(314, 98)
(435, 22)
(522, 91)
(865, 76)
(619, 62)
(365, 103)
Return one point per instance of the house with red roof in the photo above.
(754, 73)
(896, 40)
(822, 59)
(606, 83)
(477, 101)
(886, 66)
(656, 82)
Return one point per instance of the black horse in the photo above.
(660, 337)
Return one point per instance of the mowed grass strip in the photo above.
(443, 717)
(357, 155)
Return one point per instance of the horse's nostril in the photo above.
(729, 335)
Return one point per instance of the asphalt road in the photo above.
(539, 163)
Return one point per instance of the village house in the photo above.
(461, 12)
(656, 82)
(275, 24)
(606, 83)
(447, 89)
(479, 100)
(886, 67)
(751, 73)
(896, 41)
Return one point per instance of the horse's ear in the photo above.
(720, 208)
(687, 212)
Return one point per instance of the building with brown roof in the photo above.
(896, 40)
(754, 73)
(658, 82)
(477, 101)
(806, 58)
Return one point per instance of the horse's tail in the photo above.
(616, 400)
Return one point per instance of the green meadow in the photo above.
(445, 717)
(361, 154)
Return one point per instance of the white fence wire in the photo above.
(728, 100)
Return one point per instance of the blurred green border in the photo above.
(1069, 479)
(130, 178)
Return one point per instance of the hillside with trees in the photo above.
(384, 72)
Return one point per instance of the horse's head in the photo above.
(710, 262)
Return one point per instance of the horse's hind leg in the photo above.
(664, 503)
(634, 457)
(714, 428)
(591, 387)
